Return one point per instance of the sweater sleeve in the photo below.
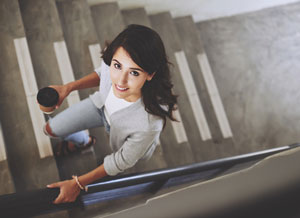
(98, 71)
(133, 149)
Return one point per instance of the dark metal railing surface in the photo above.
(183, 170)
(37, 202)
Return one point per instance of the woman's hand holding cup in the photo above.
(50, 98)
(63, 92)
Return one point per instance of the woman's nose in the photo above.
(123, 78)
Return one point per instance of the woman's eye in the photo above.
(134, 73)
(117, 66)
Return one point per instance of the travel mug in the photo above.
(47, 98)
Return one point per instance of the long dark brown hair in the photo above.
(147, 50)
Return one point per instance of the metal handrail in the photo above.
(40, 201)
(164, 174)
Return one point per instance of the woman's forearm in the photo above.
(89, 81)
(92, 176)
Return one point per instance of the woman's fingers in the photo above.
(54, 185)
(62, 91)
(59, 199)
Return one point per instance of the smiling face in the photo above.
(126, 76)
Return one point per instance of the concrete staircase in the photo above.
(54, 42)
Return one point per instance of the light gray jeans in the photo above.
(71, 123)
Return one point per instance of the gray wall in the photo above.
(255, 59)
(199, 10)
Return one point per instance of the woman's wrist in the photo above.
(92, 176)
(70, 87)
(79, 184)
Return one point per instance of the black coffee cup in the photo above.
(47, 98)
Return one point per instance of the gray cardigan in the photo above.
(134, 133)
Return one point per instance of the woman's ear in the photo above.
(149, 77)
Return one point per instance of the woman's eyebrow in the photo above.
(116, 61)
(132, 68)
(139, 69)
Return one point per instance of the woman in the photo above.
(133, 102)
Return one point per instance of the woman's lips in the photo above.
(121, 89)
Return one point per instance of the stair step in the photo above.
(191, 44)
(164, 25)
(47, 45)
(17, 125)
(136, 16)
(80, 35)
(6, 180)
(30, 167)
(108, 21)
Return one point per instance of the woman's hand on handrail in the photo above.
(69, 190)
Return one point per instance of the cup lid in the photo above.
(47, 97)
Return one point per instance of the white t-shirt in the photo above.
(113, 104)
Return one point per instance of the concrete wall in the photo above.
(200, 9)
(255, 59)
